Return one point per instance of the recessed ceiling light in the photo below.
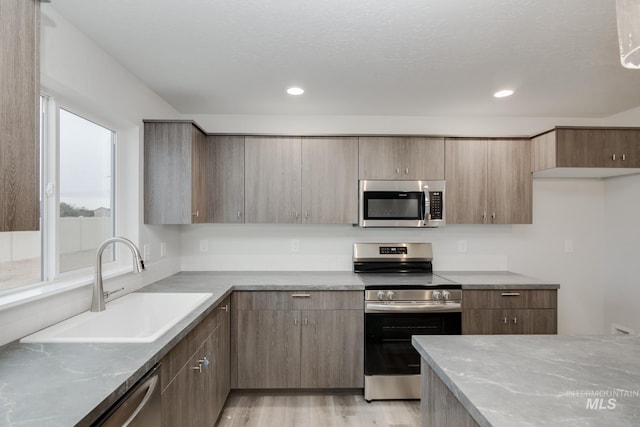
(503, 93)
(295, 91)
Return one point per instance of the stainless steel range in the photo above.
(402, 298)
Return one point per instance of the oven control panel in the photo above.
(440, 295)
(393, 250)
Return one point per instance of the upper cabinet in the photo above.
(586, 152)
(489, 181)
(175, 165)
(272, 179)
(330, 180)
(225, 179)
(19, 93)
(401, 158)
(311, 180)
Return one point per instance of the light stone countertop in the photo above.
(496, 279)
(540, 380)
(72, 384)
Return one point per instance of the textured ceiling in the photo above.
(373, 57)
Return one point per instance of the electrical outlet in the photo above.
(163, 249)
(462, 246)
(295, 245)
(204, 246)
(568, 246)
(146, 252)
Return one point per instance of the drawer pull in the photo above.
(225, 307)
(511, 294)
(515, 320)
(300, 295)
(504, 320)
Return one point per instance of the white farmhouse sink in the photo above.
(134, 318)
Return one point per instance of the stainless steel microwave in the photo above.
(402, 204)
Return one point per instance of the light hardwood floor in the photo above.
(249, 409)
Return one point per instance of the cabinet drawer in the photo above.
(509, 298)
(299, 300)
(182, 352)
(514, 321)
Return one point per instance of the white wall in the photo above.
(563, 210)
(622, 253)
(74, 69)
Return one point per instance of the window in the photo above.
(77, 201)
(85, 188)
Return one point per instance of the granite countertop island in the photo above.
(536, 380)
(72, 384)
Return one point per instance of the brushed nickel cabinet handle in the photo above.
(300, 295)
(306, 321)
(511, 294)
(515, 320)
(504, 320)
(624, 157)
(196, 214)
(225, 308)
(406, 171)
(613, 157)
(295, 321)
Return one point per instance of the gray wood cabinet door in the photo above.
(489, 181)
(222, 361)
(272, 179)
(332, 349)
(268, 348)
(225, 179)
(174, 179)
(466, 176)
(330, 180)
(401, 158)
(629, 148)
(19, 94)
(198, 177)
(184, 399)
(509, 182)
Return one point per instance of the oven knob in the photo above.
(380, 295)
(437, 295)
(390, 295)
(446, 295)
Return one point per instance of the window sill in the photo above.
(17, 297)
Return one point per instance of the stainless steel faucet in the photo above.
(97, 301)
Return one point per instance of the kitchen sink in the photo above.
(133, 318)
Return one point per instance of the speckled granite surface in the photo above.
(69, 384)
(540, 380)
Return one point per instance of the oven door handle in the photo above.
(450, 307)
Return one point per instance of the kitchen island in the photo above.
(529, 380)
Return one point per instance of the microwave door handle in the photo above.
(427, 204)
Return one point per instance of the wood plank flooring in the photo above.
(252, 409)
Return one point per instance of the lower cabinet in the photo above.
(299, 339)
(506, 311)
(195, 373)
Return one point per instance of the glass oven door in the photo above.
(388, 349)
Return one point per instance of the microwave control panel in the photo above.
(435, 203)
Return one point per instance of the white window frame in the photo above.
(53, 281)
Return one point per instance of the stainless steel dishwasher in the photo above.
(139, 407)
